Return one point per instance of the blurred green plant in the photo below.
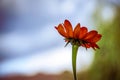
(106, 65)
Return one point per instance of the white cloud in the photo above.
(52, 61)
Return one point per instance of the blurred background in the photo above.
(31, 48)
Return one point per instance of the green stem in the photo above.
(74, 55)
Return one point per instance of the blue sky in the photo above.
(30, 43)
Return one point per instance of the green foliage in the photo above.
(106, 65)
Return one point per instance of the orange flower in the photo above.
(79, 36)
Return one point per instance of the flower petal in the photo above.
(61, 30)
(90, 35)
(83, 31)
(94, 45)
(76, 31)
(68, 28)
(86, 45)
(96, 38)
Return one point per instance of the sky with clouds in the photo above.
(30, 43)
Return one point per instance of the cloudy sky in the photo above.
(29, 41)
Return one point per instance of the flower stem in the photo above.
(74, 55)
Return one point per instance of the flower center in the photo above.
(75, 41)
